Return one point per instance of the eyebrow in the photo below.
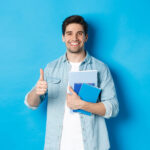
(81, 31)
(68, 31)
(71, 31)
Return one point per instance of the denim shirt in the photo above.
(94, 130)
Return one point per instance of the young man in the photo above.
(66, 130)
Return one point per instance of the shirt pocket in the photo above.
(53, 87)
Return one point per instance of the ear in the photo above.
(86, 37)
(63, 38)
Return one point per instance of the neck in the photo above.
(76, 57)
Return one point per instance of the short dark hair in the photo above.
(74, 19)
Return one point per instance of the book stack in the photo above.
(84, 84)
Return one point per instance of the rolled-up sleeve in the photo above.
(42, 97)
(108, 108)
(108, 95)
(27, 104)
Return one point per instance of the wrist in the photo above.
(83, 104)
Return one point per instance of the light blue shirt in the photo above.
(94, 130)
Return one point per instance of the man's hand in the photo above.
(41, 86)
(74, 101)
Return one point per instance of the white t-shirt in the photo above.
(72, 132)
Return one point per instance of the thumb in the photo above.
(72, 91)
(41, 74)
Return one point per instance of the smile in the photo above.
(74, 44)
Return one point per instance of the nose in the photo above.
(75, 37)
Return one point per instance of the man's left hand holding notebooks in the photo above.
(88, 93)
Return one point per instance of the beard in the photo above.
(76, 51)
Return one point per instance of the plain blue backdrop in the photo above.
(30, 37)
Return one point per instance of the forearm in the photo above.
(33, 99)
(95, 108)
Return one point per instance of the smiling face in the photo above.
(74, 38)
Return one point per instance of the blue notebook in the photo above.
(77, 86)
(87, 92)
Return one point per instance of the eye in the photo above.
(68, 33)
(80, 33)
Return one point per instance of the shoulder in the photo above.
(102, 68)
(55, 62)
(98, 64)
(53, 65)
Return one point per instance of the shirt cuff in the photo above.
(108, 108)
(27, 104)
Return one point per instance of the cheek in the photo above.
(66, 41)
(83, 39)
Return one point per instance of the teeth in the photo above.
(74, 43)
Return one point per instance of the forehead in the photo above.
(74, 27)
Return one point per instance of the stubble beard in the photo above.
(75, 51)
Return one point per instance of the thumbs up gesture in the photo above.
(41, 86)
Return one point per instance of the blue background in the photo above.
(30, 37)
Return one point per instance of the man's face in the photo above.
(74, 38)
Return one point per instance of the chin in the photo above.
(75, 51)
